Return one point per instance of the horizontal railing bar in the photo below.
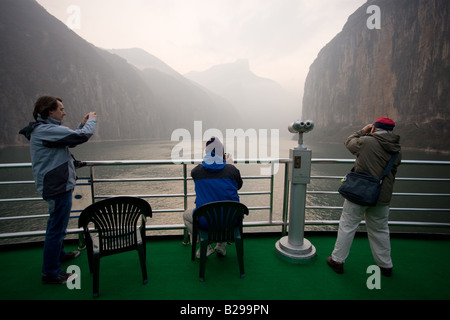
(421, 209)
(79, 211)
(138, 179)
(252, 193)
(391, 223)
(408, 162)
(166, 179)
(42, 233)
(174, 195)
(23, 234)
(425, 162)
(15, 165)
(24, 217)
(396, 179)
(327, 177)
(16, 182)
(240, 193)
(421, 194)
(197, 161)
(250, 208)
(167, 210)
(183, 162)
(391, 209)
(423, 179)
(20, 199)
(394, 194)
(244, 177)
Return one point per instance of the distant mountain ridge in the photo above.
(262, 102)
(142, 60)
(252, 101)
(181, 98)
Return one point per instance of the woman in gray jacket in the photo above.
(54, 175)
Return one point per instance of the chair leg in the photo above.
(240, 255)
(203, 249)
(81, 242)
(193, 249)
(90, 258)
(142, 259)
(96, 274)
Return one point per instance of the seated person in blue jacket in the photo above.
(215, 180)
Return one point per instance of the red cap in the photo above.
(384, 123)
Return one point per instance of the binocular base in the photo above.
(301, 254)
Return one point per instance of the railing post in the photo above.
(285, 199)
(185, 185)
(81, 240)
(91, 171)
(186, 239)
(271, 192)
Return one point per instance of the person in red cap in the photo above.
(373, 147)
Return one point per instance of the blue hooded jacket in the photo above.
(53, 167)
(216, 181)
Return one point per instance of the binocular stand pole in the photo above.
(294, 247)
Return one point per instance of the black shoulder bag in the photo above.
(362, 188)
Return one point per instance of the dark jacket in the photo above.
(216, 181)
(373, 152)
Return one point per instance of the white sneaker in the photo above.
(221, 249)
(209, 251)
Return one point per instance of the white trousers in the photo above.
(377, 230)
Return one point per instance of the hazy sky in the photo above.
(280, 38)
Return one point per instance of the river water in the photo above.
(162, 150)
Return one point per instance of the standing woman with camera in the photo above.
(54, 175)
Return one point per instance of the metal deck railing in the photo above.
(276, 217)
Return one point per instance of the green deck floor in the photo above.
(421, 268)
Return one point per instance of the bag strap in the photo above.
(390, 164)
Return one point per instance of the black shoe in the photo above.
(59, 278)
(338, 267)
(387, 272)
(70, 256)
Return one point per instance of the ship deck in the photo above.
(421, 265)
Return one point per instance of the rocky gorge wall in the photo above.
(399, 68)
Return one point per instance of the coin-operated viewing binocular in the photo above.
(294, 247)
(301, 126)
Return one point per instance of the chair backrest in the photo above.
(116, 221)
(219, 219)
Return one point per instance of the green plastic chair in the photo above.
(219, 221)
(119, 226)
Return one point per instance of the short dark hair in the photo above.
(44, 105)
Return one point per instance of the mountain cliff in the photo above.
(41, 55)
(400, 70)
